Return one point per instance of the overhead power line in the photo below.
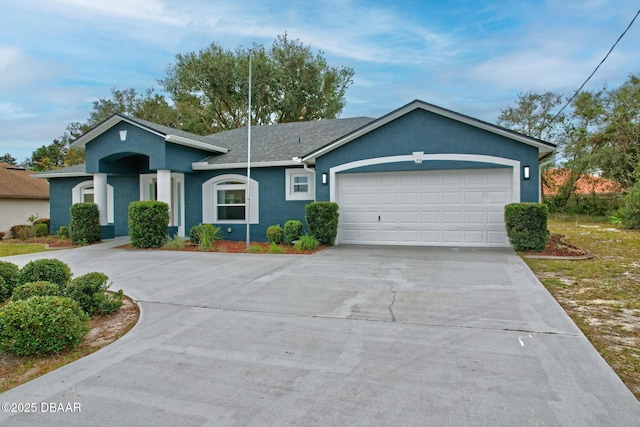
(596, 69)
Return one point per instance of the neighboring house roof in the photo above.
(16, 183)
(169, 134)
(279, 143)
(553, 179)
(545, 148)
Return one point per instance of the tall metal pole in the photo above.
(248, 190)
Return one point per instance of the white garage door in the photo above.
(429, 208)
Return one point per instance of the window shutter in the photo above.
(207, 203)
(254, 202)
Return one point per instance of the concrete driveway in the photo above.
(348, 336)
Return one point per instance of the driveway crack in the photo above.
(393, 301)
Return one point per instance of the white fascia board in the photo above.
(201, 166)
(105, 126)
(59, 175)
(180, 140)
(543, 148)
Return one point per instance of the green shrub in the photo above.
(527, 226)
(46, 221)
(209, 233)
(50, 270)
(90, 292)
(41, 325)
(630, 213)
(256, 249)
(274, 248)
(306, 243)
(322, 220)
(148, 223)
(35, 289)
(194, 234)
(63, 232)
(292, 230)
(10, 274)
(41, 230)
(85, 223)
(175, 243)
(274, 234)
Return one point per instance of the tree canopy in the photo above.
(208, 92)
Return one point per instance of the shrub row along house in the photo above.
(420, 175)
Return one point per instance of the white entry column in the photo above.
(164, 188)
(100, 195)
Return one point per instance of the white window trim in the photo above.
(289, 193)
(78, 191)
(209, 199)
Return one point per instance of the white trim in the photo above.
(542, 148)
(514, 164)
(203, 166)
(45, 175)
(112, 121)
(180, 140)
(209, 207)
(307, 195)
(77, 192)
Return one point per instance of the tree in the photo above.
(210, 88)
(533, 115)
(9, 159)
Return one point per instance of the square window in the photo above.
(300, 183)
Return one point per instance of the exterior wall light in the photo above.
(324, 179)
(526, 172)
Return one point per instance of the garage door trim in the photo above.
(419, 157)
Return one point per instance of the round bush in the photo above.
(41, 325)
(41, 230)
(89, 291)
(50, 270)
(63, 232)
(10, 274)
(292, 230)
(274, 234)
(35, 289)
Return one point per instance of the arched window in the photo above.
(224, 200)
(83, 193)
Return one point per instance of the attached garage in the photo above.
(433, 208)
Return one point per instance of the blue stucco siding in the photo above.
(142, 152)
(60, 199)
(274, 209)
(126, 189)
(431, 133)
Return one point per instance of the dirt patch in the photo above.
(16, 370)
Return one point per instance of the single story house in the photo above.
(21, 197)
(420, 175)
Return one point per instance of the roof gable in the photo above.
(544, 148)
(16, 183)
(171, 135)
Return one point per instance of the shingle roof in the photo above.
(16, 183)
(281, 142)
(586, 184)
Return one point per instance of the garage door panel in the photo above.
(453, 208)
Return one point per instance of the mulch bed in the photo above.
(232, 246)
(558, 247)
(51, 241)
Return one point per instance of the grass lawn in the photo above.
(7, 249)
(602, 295)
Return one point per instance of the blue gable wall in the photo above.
(106, 153)
(421, 130)
(60, 199)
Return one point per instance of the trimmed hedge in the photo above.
(148, 223)
(21, 231)
(10, 274)
(41, 325)
(41, 230)
(90, 292)
(527, 226)
(85, 223)
(275, 234)
(292, 230)
(322, 220)
(35, 289)
(50, 270)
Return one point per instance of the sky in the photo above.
(473, 57)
